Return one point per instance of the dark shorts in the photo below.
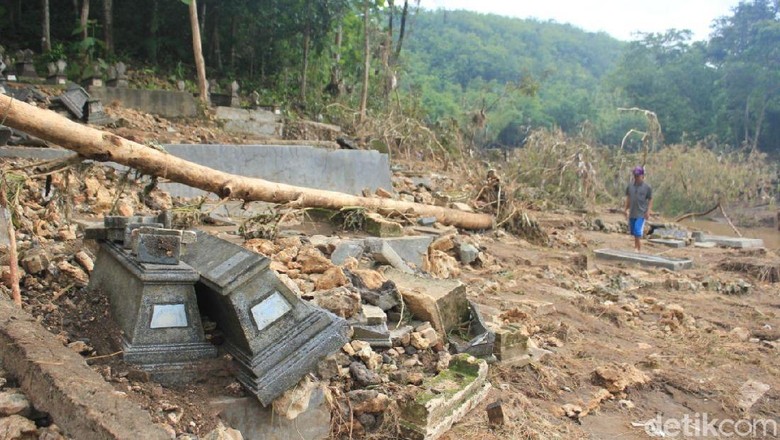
(636, 226)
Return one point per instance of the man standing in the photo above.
(639, 202)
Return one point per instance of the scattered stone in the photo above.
(85, 261)
(371, 279)
(363, 376)
(79, 277)
(328, 368)
(382, 253)
(332, 278)
(12, 402)
(617, 377)
(80, 347)
(495, 413)
(312, 261)
(740, 333)
(368, 401)
(468, 253)
(221, 432)
(373, 314)
(401, 336)
(750, 393)
(443, 265)
(572, 411)
(295, 400)
(35, 261)
(626, 404)
(413, 250)
(342, 301)
(17, 428)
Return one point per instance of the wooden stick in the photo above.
(696, 214)
(103, 146)
(723, 211)
(16, 294)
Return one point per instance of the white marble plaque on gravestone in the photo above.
(269, 310)
(168, 316)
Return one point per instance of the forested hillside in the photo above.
(492, 78)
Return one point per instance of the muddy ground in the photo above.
(688, 342)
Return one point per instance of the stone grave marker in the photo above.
(275, 337)
(75, 100)
(235, 100)
(117, 75)
(24, 64)
(57, 72)
(154, 304)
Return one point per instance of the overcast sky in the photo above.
(619, 18)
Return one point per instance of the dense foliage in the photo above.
(493, 78)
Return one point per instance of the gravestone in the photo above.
(235, 100)
(153, 302)
(57, 72)
(75, 100)
(644, 259)
(181, 85)
(24, 64)
(95, 113)
(117, 75)
(255, 99)
(93, 76)
(10, 75)
(275, 337)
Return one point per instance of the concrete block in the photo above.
(734, 242)
(379, 226)
(163, 246)
(479, 341)
(511, 343)
(670, 242)
(445, 399)
(274, 336)
(58, 381)
(441, 302)
(468, 253)
(644, 259)
(373, 314)
(413, 249)
(254, 421)
(377, 336)
(260, 123)
(170, 104)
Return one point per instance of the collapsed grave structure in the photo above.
(275, 337)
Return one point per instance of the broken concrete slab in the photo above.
(371, 326)
(733, 242)
(275, 337)
(441, 302)
(644, 259)
(478, 340)
(253, 122)
(445, 399)
(167, 103)
(379, 226)
(669, 242)
(254, 421)
(58, 381)
(382, 253)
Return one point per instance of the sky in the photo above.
(619, 18)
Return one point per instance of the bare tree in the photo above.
(46, 31)
(108, 25)
(366, 60)
(200, 64)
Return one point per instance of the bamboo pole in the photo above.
(104, 147)
(13, 257)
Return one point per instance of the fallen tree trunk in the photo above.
(104, 147)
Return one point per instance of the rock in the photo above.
(444, 361)
(67, 233)
(413, 250)
(223, 433)
(383, 193)
(373, 314)
(468, 253)
(363, 376)
(401, 336)
(571, 410)
(342, 301)
(495, 413)
(750, 393)
(79, 277)
(443, 266)
(382, 253)
(462, 207)
(14, 403)
(85, 261)
(295, 400)
(740, 334)
(328, 368)
(17, 428)
(419, 342)
(617, 377)
(626, 404)
(443, 244)
(368, 401)
(332, 278)
(124, 209)
(312, 261)
(371, 279)
(50, 433)
(80, 347)
(35, 261)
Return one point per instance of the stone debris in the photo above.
(617, 377)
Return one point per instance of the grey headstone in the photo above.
(644, 259)
(274, 336)
(96, 115)
(157, 312)
(75, 100)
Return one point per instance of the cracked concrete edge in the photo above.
(58, 381)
